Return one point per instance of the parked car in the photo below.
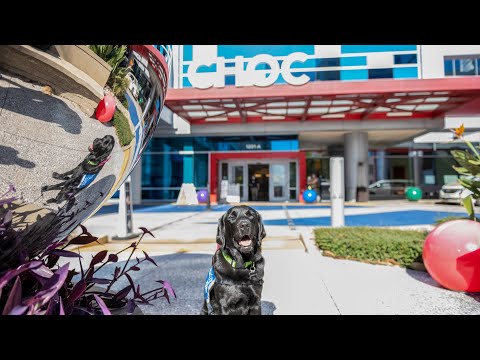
(451, 193)
(133, 87)
(385, 189)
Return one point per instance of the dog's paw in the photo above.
(44, 188)
(56, 175)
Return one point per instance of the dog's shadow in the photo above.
(268, 308)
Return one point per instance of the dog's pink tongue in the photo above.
(246, 242)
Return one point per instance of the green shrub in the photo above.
(125, 103)
(375, 245)
(122, 125)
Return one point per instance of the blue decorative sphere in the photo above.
(309, 196)
(202, 196)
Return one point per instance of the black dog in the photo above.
(82, 175)
(235, 281)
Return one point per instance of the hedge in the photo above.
(374, 245)
(122, 125)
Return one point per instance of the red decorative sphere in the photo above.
(105, 109)
(451, 254)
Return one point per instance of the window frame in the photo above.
(474, 57)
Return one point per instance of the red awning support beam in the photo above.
(305, 112)
(242, 113)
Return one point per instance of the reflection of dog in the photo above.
(81, 176)
(235, 281)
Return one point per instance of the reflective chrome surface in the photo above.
(57, 162)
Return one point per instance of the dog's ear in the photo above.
(261, 230)
(221, 232)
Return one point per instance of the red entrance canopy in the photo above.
(326, 100)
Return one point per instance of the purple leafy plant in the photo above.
(39, 286)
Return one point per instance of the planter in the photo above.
(48, 69)
(85, 60)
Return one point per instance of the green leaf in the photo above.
(468, 205)
(464, 158)
(460, 170)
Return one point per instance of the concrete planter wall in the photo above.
(66, 80)
(84, 59)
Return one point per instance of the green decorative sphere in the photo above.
(413, 193)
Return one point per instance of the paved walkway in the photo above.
(298, 279)
(41, 134)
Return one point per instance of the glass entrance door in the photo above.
(279, 182)
(237, 176)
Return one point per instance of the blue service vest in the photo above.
(87, 179)
(209, 282)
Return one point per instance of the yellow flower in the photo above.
(459, 131)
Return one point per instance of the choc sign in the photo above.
(248, 76)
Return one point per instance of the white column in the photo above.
(136, 185)
(337, 191)
(356, 163)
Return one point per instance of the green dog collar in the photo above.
(233, 262)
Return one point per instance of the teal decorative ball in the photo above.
(413, 193)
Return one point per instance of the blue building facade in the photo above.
(315, 62)
(185, 156)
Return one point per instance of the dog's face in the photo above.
(241, 228)
(102, 146)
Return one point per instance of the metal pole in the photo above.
(337, 191)
(208, 196)
(125, 210)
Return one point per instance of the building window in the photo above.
(229, 79)
(462, 66)
(328, 62)
(328, 75)
(405, 59)
(448, 67)
(380, 73)
(465, 67)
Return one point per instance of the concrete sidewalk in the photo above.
(300, 283)
(298, 279)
